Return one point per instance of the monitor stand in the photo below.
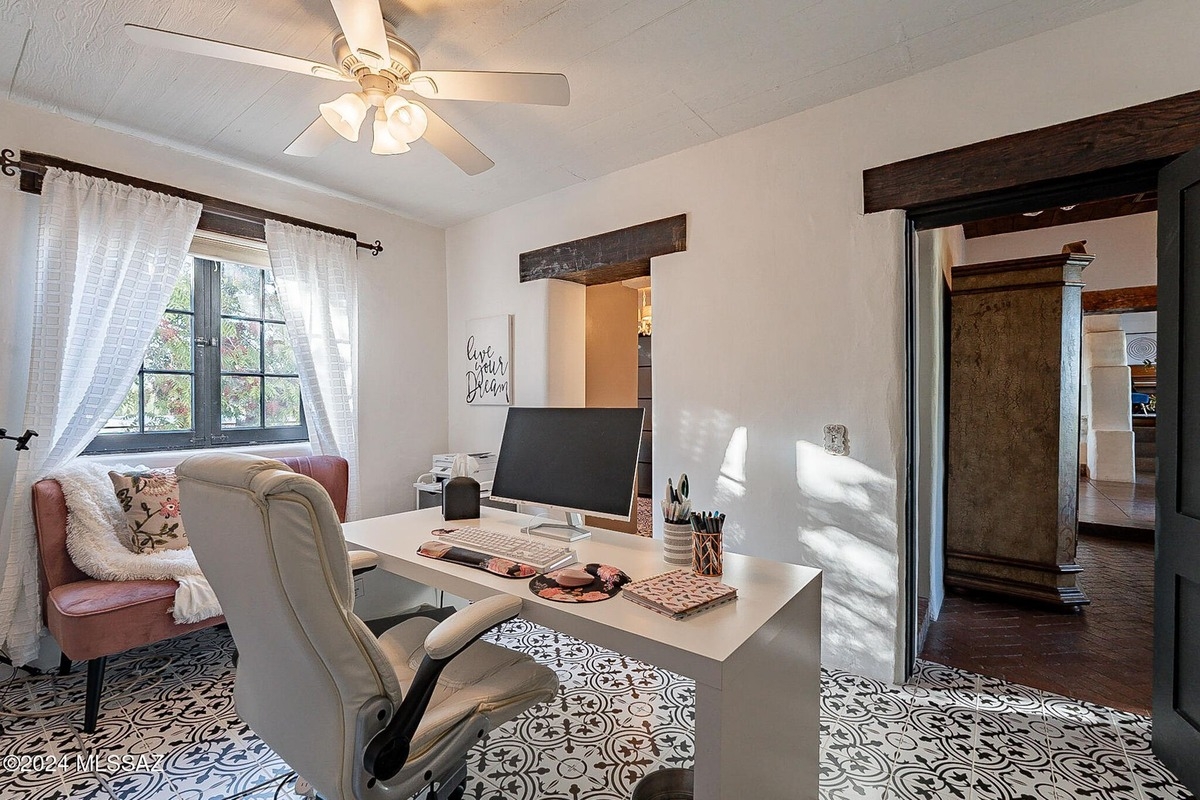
(571, 531)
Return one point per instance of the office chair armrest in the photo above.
(387, 752)
(362, 561)
(464, 627)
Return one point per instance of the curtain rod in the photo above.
(218, 216)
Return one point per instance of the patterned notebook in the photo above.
(679, 594)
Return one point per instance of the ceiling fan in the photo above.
(388, 73)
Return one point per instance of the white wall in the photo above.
(791, 302)
(937, 252)
(1126, 249)
(402, 293)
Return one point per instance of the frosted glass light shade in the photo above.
(406, 121)
(384, 144)
(346, 114)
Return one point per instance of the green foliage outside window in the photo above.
(253, 391)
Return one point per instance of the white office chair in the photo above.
(358, 717)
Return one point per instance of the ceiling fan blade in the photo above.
(196, 45)
(453, 145)
(316, 138)
(362, 22)
(540, 88)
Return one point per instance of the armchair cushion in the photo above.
(91, 618)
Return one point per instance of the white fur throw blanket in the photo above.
(93, 519)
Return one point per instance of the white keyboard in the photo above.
(543, 557)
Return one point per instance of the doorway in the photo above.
(1101, 652)
(1154, 146)
(617, 374)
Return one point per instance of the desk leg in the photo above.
(758, 735)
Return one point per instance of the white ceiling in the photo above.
(648, 77)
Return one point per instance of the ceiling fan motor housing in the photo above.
(402, 62)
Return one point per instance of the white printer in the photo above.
(440, 471)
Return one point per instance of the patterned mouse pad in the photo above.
(608, 581)
(460, 555)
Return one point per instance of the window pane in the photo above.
(171, 346)
(181, 295)
(240, 346)
(271, 306)
(283, 402)
(168, 402)
(240, 401)
(279, 357)
(125, 420)
(241, 290)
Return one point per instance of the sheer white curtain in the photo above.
(108, 257)
(315, 275)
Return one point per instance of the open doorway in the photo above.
(618, 375)
(1097, 646)
(1154, 146)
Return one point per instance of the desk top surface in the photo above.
(764, 587)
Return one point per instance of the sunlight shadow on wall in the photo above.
(701, 432)
(846, 529)
(731, 483)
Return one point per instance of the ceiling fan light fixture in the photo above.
(407, 122)
(346, 114)
(384, 144)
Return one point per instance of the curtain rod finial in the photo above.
(9, 164)
(374, 249)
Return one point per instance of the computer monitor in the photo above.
(579, 460)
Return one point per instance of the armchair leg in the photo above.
(95, 682)
(64, 664)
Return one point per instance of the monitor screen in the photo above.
(581, 459)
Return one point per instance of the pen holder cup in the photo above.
(677, 544)
(706, 554)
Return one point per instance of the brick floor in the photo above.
(1101, 653)
(1128, 505)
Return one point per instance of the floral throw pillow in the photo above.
(150, 500)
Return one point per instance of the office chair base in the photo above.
(453, 787)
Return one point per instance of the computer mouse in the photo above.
(573, 577)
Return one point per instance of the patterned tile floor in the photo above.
(168, 730)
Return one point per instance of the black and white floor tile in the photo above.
(168, 730)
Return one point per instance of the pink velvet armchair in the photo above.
(93, 619)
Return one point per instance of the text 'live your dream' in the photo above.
(487, 376)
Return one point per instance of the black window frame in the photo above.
(207, 431)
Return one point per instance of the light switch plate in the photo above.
(837, 443)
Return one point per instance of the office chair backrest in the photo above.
(310, 677)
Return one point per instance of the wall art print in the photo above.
(489, 361)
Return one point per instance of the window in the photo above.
(219, 370)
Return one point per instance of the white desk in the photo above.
(756, 661)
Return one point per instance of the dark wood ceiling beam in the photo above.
(1121, 301)
(1149, 133)
(607, 257)
(1053, 217)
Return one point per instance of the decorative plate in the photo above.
(608, 581)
